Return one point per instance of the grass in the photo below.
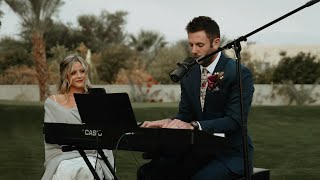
(21, 147)
(286, 140)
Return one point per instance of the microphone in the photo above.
(182, 69)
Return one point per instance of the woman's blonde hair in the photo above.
(66, 67)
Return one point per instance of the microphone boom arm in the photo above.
(244, 38)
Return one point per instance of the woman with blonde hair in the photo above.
(61, 108)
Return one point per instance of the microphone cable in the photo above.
(131, 151)
(97, 146)
(129, 148)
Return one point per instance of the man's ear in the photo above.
(216, 43)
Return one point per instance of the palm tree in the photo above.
(36, 18)
(148, 43)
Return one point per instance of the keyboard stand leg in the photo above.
(85, 158)
(105, 159)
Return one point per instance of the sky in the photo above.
(169, 17)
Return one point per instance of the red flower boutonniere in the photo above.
(214, 80)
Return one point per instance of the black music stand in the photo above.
(100, 151)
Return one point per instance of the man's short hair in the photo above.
(204, 23)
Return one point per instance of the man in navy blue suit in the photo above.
(211, 105)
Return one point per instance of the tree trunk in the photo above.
(40, 61)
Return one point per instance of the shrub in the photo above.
(300, 69)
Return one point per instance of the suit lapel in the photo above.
(195, 84)
(212, 98)
(221, 64)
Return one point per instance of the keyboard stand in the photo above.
(86, 160)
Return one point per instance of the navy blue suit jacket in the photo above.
(221, 112)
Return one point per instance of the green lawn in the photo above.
(285, 140)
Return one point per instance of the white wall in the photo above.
(168, 93)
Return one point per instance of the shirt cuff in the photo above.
(199, 125)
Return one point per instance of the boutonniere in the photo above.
(214, 80)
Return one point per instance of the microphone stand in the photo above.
(237, 48)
